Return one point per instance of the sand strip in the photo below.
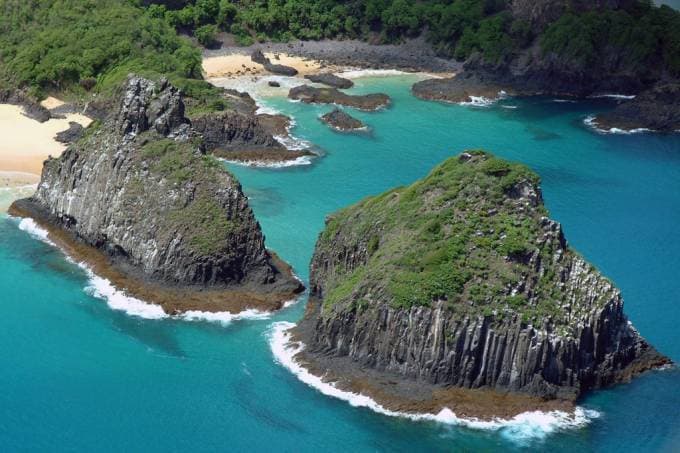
(26, 143)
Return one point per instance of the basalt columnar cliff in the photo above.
(138, 198)
(462, 281)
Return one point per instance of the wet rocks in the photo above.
(341, 121)
(656, 109)
(313, 95)
(331, 80)
(463, 87)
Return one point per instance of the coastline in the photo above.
(414, 55)
(27, 143)
(171, 300)
(545, 417)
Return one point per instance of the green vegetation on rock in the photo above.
(472, 234)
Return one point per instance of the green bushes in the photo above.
(643, 36)
(54, 44)
(205, 34)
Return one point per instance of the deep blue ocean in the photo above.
(77, 375)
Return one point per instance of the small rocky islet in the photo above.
(313, 95)
(342, 121)
(459, 291)
(140, 201)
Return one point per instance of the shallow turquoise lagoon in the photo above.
(76, 375)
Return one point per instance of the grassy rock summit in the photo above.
(138, 198)
(462, 282)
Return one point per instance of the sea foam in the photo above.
(116, 299)
(590, 122)
(522, 428)
(302, 160)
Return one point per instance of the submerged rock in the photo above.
(138, 199)
(331, 80)
(657, 109)
(313, 95)
(341, 121)
(461, 281)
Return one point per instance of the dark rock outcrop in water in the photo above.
(341, 121)
(138, 199)
(313, 95)
(461, 281)
(259, 57)
(460, 88)
(331, 80)
(657, 109)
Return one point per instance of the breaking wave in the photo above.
(522, 428)
(116, 299)
(590, 122)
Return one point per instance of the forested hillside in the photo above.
(77, 45)
(456, 28)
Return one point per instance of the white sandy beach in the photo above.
(237, 65)
(26, 143)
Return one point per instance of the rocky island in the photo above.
(341, 121)
(313, 95)
(139, 200)
(459, 291)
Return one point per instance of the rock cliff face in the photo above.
(139, 188)
(461, 280)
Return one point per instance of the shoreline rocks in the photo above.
(463, 87)
(258, 57)
(341, 121)
(147, 208)
(459, 292)
(656, 109)
(331, 80)
(313, 95)
(411, 55)
(32, 108)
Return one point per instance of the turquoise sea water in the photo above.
(76, 375)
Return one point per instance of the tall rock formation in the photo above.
(139, 189)
(462, 281)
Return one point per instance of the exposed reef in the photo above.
(656, 109)
(331, 80)
(458, 291)
(138, 199)
(464, 87)
(313, 95)
(341, 121)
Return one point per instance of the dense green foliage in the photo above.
(72, 44)
(460, 235)
(456, 28)
(645, 36)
